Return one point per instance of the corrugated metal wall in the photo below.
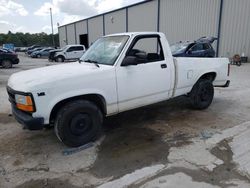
(62, 36)
(179, 20)
(115, 22)
(143, 17)
(189, 19)
(95, 28)
(235, 30)
(81, 28)
(71, 34)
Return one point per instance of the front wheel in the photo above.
(202, 94)
(78, 123)
(60, 59)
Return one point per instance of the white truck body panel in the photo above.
(122, 88)
(189, 70)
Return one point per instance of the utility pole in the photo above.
(51, 19)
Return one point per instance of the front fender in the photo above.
(46, 108)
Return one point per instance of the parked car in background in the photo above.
(29, 52)
(33, 47)
(199, 48)
(20, 49)
(69, 52)
(9, 46)
(41, 53)
(8, 58)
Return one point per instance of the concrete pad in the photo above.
(241, 152)
(197, 154)
(179, 180)
(138, 175)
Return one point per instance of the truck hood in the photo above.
(56, 50)
(31, 80)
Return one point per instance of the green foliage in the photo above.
(27, 39)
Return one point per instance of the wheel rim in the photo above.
(59, 59)
(80, 124)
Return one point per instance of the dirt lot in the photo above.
(164, 145)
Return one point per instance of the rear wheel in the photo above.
(6, 64)
(202, 94)
(78, 123)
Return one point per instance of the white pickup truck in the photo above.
(117, 73)
(69, 52)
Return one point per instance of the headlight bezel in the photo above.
(12, 98)
(25, 102)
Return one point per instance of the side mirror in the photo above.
(129, 60)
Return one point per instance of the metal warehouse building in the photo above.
(179, 19)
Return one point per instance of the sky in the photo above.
(33, 16)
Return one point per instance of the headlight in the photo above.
(24, 103)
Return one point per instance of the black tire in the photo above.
(60, 59)
(6, 64)
(78, 123)
(202, 94)
(38, 55)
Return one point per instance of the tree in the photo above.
(26, 39)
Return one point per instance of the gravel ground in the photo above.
(156, 146)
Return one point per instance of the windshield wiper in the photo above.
(91, 61)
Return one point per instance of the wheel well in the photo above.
(208, 76)
(60, 56)
(95, 98)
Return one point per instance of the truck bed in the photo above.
(189, 70)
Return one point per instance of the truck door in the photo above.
(70, 53)
(146, 78)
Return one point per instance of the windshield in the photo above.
(105, 50)
(179, 47)
(64, 48)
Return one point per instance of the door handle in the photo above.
(163, 66)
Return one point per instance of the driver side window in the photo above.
(147, 49)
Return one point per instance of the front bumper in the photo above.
(27, 120)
